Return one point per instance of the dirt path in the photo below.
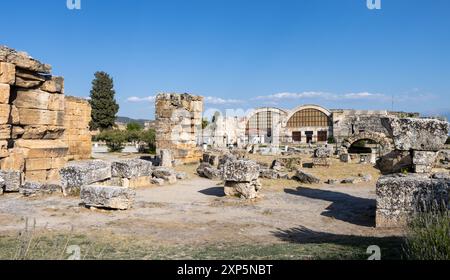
(195, 211)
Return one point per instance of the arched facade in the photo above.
(382, 139)
(264, 125)
(309, 124)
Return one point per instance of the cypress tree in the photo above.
(103, 103)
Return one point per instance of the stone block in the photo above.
(131, 168)
(240, 171)
(45, 132)
(109, 197)
(417, 134)
(323, 152)
(395, 162)
(7, 73)
(54, 85)
(322, 162)
(13, 180)
(4, 93)
(306, 178)
(5, 132)
(4, 149)
(78, 174)
(43, 148)
(423, 161)
(15, 161)
(400, 196)
(244, 190)
(5, 110)
(32, 189)
(166, 158)
(345, 158)
(40, 117)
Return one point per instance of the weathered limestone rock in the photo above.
(211, 158)
(166, 174)
(351, 181)
(32, 189)
(443, 159)
(2, 185)
(78, 174)
(323, 152)
(40, 117)
(157, 181)
(273, 174)
(15, 160)
(109, 197)
(4, 93)
(182, 176)
(244, 190)
(23, 60)
(345, 158)
(306, 178)
(332, 182)
(7, 73)
(395, 162)
(399, 196)
(131, 168)
(206, 170)
(166, 158)
(5, 110)
(324, 162)
(43, 148)
(28, 79)
(4, 149)
(54, 85)
(240, 171)
(417, 134)
(13, 180)
(45, 132)
(423, 161)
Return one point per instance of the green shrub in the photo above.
(114, 139)
(428, 236)
(331, 140)
(149, 138)
(134, 126)
(448, 141)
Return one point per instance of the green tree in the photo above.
(205, 123)
(134, 126)
(149, 138)
(103, 102)
(114, 139)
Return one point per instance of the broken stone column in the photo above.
(31, 117)
(77, 135)
(179, 125)
(241, 179)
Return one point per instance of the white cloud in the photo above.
(318, 95)
(362, 95)
(135, 99)
(221, 101)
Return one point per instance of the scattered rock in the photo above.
(332, 182)
(77, 174)
(395, 162)
(157, 181)
(2, 185)
(109, 197)
(33, 188)
(182, 175)
(324, 162)
(306, 178)
(366, 178)
(244, 190)
(167, 174)
(323, 152)
(240, 171)
(131, 168)
(351, 181)
(277, 165)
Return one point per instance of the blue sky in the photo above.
(244, 53)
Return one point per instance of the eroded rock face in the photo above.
(109, 197)
(399, 196)
(417, 134)
(131, 168)
(32, 189)
(78, 174)
(423, 161)
(306, 178)
(12, 180)
(240, 171)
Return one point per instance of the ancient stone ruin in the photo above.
(241, 179)
(179, 125)
(76, 122)
(40, 129)
(417, 143)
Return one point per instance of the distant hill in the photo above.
(127, 120)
